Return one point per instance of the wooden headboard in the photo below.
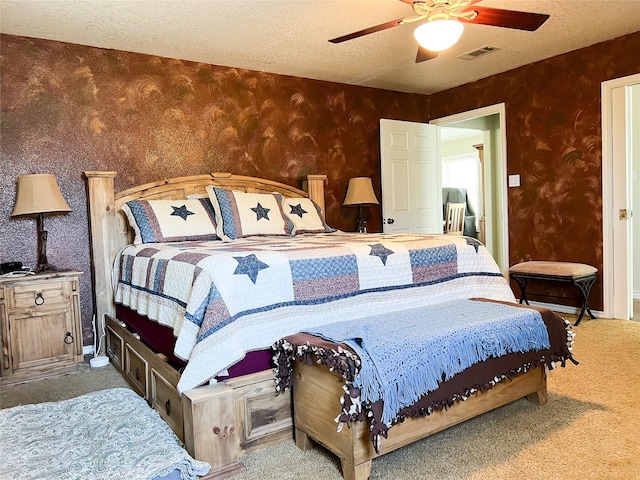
(109, 229)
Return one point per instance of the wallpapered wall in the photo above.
(68, 108)
(554, 142)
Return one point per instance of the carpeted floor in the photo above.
(587, 431)
(62, 387)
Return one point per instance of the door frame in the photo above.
(500, 110)
(613, 261)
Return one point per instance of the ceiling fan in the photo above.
(445, 16)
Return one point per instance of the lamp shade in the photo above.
(360, 192)
(438, 35)
(38, 193)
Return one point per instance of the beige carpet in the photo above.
(590, 429)
(61, 388)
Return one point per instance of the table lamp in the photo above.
(39, 194)
(360, 192)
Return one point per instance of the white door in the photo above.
(616, 194)
(411, 177)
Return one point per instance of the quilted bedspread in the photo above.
(223, 299)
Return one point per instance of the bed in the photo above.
(227, 296)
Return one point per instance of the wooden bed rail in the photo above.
(102, 222)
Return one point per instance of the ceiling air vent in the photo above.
(478, 52)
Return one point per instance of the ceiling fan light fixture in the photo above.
(438, 35)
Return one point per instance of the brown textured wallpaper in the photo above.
(68, 108)
(554, 142)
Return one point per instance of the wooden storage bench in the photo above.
(316, 402)
(323, 375)
(579, 274)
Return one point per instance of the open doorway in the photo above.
(462, 157)
(488, 121)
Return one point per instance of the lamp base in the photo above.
(43, 263)
(46, 267)
(361, 223)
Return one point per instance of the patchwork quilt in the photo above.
(225, 299)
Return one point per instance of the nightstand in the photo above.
(40, 325)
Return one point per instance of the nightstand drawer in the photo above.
(39, 294)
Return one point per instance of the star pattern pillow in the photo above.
(155, 221)
(241, 214)
(305, 215)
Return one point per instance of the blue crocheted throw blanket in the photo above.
(408, 354)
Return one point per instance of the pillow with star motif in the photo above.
(241, 214)
(305, 215)
(155, 221)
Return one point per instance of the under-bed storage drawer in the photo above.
(147, 373)
(167, 401)
(137, 371)
(115, 347)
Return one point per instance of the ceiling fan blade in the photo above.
(367, 31)
(424, 54)
(507, 18)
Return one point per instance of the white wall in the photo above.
(461, 146)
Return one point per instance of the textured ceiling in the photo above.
(290, 37)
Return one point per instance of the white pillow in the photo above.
(156, 221)
(305, 215)
(240, 214)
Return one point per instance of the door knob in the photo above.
(390, 221)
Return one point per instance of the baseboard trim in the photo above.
(565, 308)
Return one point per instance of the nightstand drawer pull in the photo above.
(167, 407)
(68, 338)
(39, 299)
